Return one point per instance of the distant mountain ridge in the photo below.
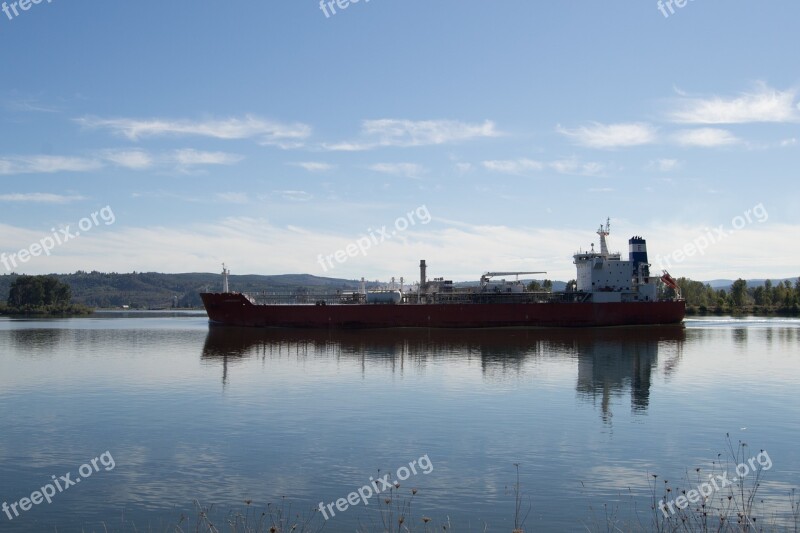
(727, 283)
(156, 290)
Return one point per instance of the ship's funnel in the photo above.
(637, 252)
(422, 273)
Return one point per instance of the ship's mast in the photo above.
(225, 273)
(603, 232)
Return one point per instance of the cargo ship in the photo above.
(607, 291)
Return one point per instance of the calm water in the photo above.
(220, 416)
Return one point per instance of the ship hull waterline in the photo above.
(234, 309)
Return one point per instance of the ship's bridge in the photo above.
(609, 278)
(602, 273)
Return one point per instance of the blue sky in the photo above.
(267, 134)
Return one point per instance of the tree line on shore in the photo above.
(41, 295)
(782, 297)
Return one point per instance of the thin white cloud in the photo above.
(405, 133)
(46, 164)
(664, 165)
(189, 157)
(763, 105)
(313, 166)
(597, 135)
(233, 197)
(295, 196)
(40, 198)
(705, 137)
(50, 164)
(248, 127)
(161, 194)
(405, 170)
(29, 106)
(516, 167)
(577, 167)
(679, 91)
(463, 168)
(529, 167)
(133, 159)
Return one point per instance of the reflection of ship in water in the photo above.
(498, 350)
(610, 360)
(610, 367)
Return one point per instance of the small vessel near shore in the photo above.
(608, 291)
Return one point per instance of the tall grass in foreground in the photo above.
(394, 514)
(736, 508)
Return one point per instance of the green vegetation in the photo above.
(545, 286)
(782, 298)
(41, 295)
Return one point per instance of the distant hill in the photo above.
(726, 283)
(719, 283)
(153, 290)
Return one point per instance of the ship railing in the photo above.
(305, 298)
(455, 298)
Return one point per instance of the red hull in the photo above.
(236, 310)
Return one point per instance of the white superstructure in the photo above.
(610, 279)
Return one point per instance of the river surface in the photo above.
(180, 417)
